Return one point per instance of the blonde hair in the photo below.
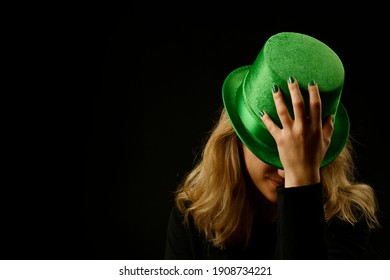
(220, 202)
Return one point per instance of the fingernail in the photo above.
(275, 89)
(312, 83)
(291, 80)
(261, 113)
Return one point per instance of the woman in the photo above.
(292, 196)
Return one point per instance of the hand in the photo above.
(303, 140)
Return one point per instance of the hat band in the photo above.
(251, 123)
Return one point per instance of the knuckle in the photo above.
(299, 104)
(283, 112)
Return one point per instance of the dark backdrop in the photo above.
(131, 96)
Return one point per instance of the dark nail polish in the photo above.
(291, 80)
(312, 83)
(261, 113)
(275, 89)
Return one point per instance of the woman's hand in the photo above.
(303, 140)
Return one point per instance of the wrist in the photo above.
(297, 179)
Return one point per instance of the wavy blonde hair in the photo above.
(220, 201)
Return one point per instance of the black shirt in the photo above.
(300, 232)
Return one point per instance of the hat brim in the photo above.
(267, 152)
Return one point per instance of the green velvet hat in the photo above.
(248, 90)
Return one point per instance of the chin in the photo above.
(272, 197)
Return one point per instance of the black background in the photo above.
(118, 102)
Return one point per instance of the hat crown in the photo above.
(301, 56)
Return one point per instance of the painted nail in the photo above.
(291, 80)
(312, 83)
(261, 113)
(275, 88)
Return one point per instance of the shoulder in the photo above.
(184, 241)
(347, 240)
(177, 220)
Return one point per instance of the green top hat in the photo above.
(247, 90)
